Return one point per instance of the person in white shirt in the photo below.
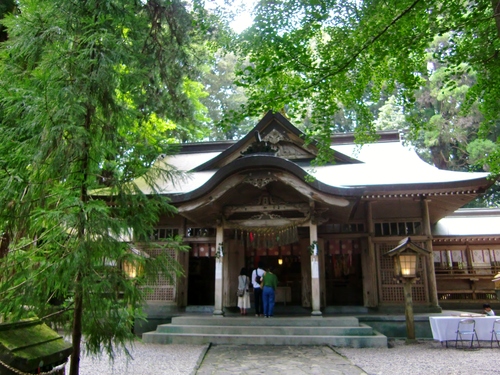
(257, 290)
(487, 310)
(243, 285)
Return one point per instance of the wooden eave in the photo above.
(461, 242)
(202, 147)
(260, 162)
(350, 138)
(231, 186)
(474, 186)
(444, 198)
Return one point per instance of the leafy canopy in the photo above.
(91, 92)
(314, 58)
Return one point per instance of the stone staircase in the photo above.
(249, 330)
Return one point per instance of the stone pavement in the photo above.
(276, 360)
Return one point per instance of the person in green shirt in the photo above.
(269, 282)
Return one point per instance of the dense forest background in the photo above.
(439, 100)
(91, 92)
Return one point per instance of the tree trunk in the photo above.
(496, 14)
(74, 368)
(78, 313)
(4, 243)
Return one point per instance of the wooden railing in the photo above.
(482, 270)
(467, 295)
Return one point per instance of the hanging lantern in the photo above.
(405, 257)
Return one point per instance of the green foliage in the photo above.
(224, 98)
(314, 59)
(89, 92)
(447, 128)
(479, 150)
(391, 116)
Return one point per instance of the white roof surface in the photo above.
(384, 163)
(479, 222)
(387, 163)
(187, 162)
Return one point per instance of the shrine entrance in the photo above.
(343, 273)
(286, 263)
(340, 269)
(201, 274)
(277, 242)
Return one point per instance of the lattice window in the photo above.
(344, 228)
(398, 228)
(163, 289)
(200, 232)
(164, 233)
(496, 257)
(476, 261)
(390, 290)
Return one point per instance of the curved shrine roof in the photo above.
(387, 166)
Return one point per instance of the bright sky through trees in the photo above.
(239, 12)
(243, 20)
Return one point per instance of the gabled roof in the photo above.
(385, 167)
(225, 174)
(277, 130)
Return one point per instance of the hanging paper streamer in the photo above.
(270, 237)
(266, 230)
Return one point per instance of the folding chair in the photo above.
(466, 327)
(495, 332)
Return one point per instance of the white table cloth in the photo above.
(444, 328)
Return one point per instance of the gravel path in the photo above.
(424, 358)
(427, 357)
(148, 359)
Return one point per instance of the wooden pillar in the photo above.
(315, 283)
(219, 263)
(305, 271)
(430, 271)
(234, 260)
(322, 271)
(369, 263)
(410, 323)
(182, 287)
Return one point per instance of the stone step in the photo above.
(246, 330)
(261, 321)
(361, 330)
(346, 310)
(374, 341)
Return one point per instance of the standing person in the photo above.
(244, 296)
(270, 283)
(257, 290)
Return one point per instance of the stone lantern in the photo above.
(406, 256)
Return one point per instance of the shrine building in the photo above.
(325, 229)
